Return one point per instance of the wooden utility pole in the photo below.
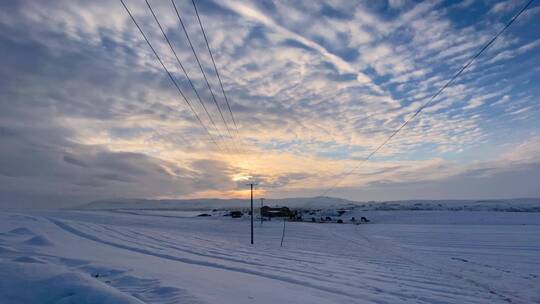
(283, 234)
(251, 185)
(262, 201)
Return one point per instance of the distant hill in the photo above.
(205, 204)
(508, 205)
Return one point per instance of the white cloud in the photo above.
(504, 6)
(309, 94)
(396, 4)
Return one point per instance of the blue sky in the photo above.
(314, 87)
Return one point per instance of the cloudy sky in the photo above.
(89, 113)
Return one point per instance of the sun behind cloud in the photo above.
(238, 177)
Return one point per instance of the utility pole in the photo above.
(262, 201)
(251, 185)
(283, 234)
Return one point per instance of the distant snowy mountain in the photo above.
(205, 204)
(191, 204)
(508, 205)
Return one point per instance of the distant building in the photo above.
(236, 214)
(270, 212)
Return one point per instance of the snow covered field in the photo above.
(153, 257)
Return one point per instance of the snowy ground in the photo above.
(151, 257)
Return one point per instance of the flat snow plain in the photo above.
(401, 257)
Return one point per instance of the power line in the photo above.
(196, 56)
(182, 68)
(171, 77)
(215, 67)
(218, 108)
(456, 75)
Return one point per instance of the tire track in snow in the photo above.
(341, 278)
(66, 227)
(387, 250)
(392, 264)
(163, 245)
